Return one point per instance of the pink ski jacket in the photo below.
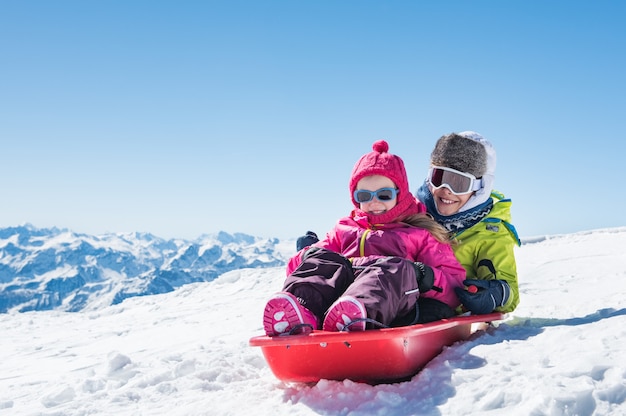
(353, 236)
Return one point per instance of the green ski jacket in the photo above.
(486, 250)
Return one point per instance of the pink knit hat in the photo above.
(379, 162)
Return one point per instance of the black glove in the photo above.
(483, 296)
(306, 240)
(425, 277)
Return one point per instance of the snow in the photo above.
(562, 352)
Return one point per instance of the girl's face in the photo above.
(447, 202)
(374, 183)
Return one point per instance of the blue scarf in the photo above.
(458, 222)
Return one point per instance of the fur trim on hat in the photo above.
(380, 162)
(491, 152)
(461, 153)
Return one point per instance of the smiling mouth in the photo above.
(447, 201)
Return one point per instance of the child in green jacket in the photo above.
(458, 193)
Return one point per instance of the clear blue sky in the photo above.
(181, 118)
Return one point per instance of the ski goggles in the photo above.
(457, 182)
(382, 194)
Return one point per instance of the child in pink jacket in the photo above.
(373, 265)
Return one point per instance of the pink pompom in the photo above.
(381, 146)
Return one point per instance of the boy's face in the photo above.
(374, 183)
(448, 203)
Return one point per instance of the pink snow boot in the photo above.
(346, 314)
(284, 315)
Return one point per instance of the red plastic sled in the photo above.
(372, 356)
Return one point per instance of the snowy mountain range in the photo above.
(45, 269)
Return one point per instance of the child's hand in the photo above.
(425, 277)
(306, 240)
